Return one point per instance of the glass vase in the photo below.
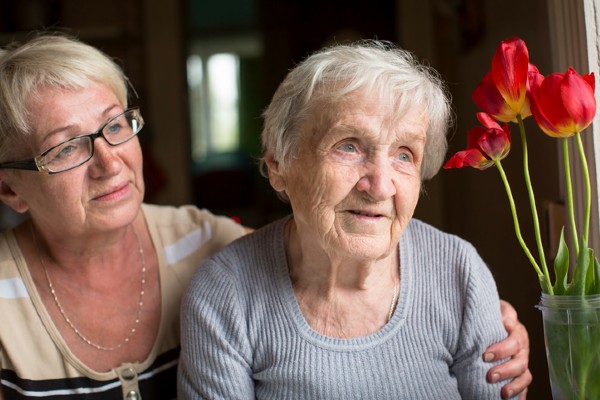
(572, 338)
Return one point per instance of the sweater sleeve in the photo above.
(215, 360)
(481, 326)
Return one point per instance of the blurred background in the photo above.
(204, 70)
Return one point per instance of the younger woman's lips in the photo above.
(114, 194)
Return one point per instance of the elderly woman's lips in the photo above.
(365, 213)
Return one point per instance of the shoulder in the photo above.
(248, 261)
(186, 215)
(264, 245)
(173, 223)
(442, 253)
(6, 254)
(11, 282)
(423, 235)
(12, 260)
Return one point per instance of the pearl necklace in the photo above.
(68, 321)
(393, 305)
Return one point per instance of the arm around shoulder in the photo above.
(515, 350)
(481, 326)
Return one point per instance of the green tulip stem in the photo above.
(569, 187)
(588, 191)
(534, 213)
(513, 210)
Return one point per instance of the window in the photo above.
(213, 70)
(575, 46)
(214, 96)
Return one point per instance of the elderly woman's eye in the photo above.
(404, 156)
(348, 147)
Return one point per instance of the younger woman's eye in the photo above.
(67, 150)
(112, 129)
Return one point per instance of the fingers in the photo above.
(516, 368)
(523, 395)
(515, 348)
(517, 386)
(513, 368)
(507, 310)
(516, 341)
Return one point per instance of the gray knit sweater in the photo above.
(244, 336)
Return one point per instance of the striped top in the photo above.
(34, 360)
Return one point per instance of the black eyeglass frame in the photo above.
(35, 164)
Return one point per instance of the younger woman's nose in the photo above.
(105, 160)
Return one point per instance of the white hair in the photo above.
(335, 72)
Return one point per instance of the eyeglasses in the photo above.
(78, 150)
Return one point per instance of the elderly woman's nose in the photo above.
(378, 181)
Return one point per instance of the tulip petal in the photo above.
(495, 144)
(578, 100)
(591, 80)
(551, 114)
(487, 121)
(510, 66)
(485, 146)
(526, 109)
(469, 158)
(564, 104)
(545, 125)
(487, 97)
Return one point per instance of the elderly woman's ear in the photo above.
(275, 174)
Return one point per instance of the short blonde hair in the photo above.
(48, 60)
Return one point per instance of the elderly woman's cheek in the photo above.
(309, 198)
(405, 200)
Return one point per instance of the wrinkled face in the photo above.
(102, 194)
(355, 184)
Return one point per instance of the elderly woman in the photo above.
(349, 297)
(91, 282)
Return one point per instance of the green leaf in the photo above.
(589, 279)
(561, 265)
(544, 284)
(596, 287)
(577, 286)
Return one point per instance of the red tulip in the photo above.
(503, 91)
(485, 145)
(564, 104)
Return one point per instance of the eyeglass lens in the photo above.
(78, 150)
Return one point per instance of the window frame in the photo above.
(574, 40)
